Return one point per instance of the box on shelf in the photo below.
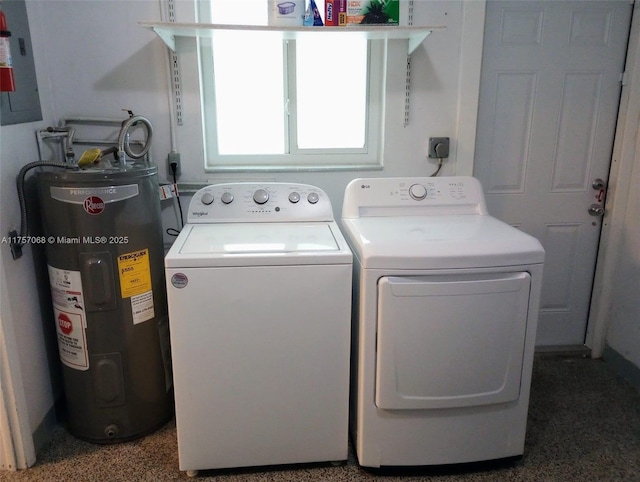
(385, 12)
(286, 13)
(335, 13)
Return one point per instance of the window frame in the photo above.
(369, 157)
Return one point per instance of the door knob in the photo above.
(598, 184)
(596, 210)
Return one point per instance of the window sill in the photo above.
(293, 168)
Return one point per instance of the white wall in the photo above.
(624, 331)
(438, 83)
(616, 301)
(623, 288)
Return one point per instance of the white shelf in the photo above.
(168, 31)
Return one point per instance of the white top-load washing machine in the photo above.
(445, 312)
(259, 292)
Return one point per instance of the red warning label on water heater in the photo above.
(65, 324)
(93, 205)
(72, 344)
(70, 318)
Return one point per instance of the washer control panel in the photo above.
(413, 196)
(259, 202)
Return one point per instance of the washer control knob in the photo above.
(261, 196)
(227, 197)
(418, 192)
(294, 197)
(313, 197)
(207, 198)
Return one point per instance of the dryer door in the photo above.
(450, 340)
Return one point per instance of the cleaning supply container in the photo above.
(285, 13)
(105, 255)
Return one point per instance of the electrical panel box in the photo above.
(22, 105)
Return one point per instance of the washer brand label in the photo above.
(179, 280)
(106, 195)
(93, 205)
(199, 214)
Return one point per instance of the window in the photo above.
(310, 103)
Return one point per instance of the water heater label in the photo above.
(70, 318)
(135, 273)
(142, 307)
(135, 283)
(81, 195)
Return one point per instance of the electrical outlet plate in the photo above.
(438, 147)
(173, 157)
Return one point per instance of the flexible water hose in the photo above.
(123, 141)
(24, 228)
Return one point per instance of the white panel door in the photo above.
(549, 96)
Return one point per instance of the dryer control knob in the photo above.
(227, 197)
(294, 197)
(418, 192)
(313, 197)
(207, 198)
(261, 196)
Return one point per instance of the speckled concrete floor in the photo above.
(584, 425)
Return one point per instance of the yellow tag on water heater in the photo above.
(135, 273)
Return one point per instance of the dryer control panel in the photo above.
(413, 196)
(259, 202)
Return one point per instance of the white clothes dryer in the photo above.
(445, 312)
(259, 292)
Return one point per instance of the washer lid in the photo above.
(440, 242)
(258, 244)
(259, 238)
